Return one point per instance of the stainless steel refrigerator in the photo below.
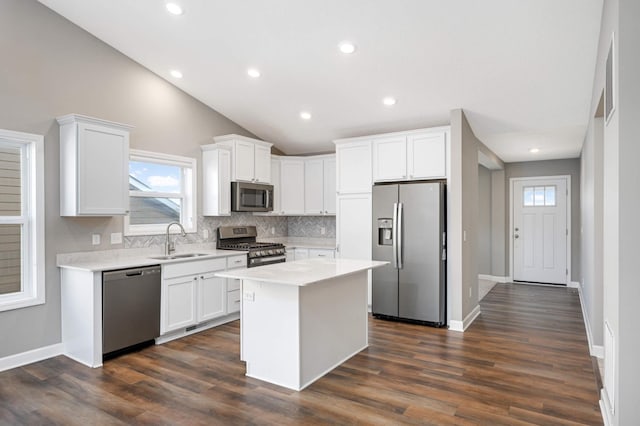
(409, 231)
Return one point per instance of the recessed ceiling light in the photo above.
(253, 73)
(347, 47)
(176, 74)
(175, 9)
(305, 115)
(389, 101)
(534, 150)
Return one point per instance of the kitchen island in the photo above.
(299, 320)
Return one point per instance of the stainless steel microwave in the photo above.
(251, 197)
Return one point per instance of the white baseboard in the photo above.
(464, 324)
(34, 355)
(177, 334)
(496, 278)
(605, 409)
(573, 284)
(594, 350)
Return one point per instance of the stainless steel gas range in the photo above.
(244, 238)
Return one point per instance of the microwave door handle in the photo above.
(267, 199)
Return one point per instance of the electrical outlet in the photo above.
(323, 230)
(249, 296)
(273, 230)
(205, 234)
(464, 235)
(116, 238)
(95, 239)
(470, 292)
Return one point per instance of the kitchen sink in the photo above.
(178, 256)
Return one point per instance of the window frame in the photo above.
(188, 193)
(32, 219)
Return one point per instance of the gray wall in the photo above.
(498, 224)
(51, 67)
(551, 168)
(591, 200)
(484, 221)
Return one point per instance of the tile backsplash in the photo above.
(311, 226)
(282, 226)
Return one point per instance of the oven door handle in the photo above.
(257, 261)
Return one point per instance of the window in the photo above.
(161, 191)
(21, 220)
(536, 196)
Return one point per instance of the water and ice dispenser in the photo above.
(385, 234)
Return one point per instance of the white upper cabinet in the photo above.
(320, 185)
(216, 180)
(353, 163)
(390, 158)
(292, 185)
(94, 167)
(329, 188)
(411, 155)
(427, 155)
(250, 158)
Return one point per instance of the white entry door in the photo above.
(540, 230)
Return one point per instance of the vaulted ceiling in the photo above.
(522, 70)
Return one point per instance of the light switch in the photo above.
(95, 239)
(205, 234)
(116, 238)
(322, 230)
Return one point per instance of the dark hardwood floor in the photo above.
(523, 361)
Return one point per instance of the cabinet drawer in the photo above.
(325, 253)
(233, 284)
(301, 253)
(237, 261)
(233, 301)
(192, 267)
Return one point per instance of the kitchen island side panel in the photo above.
(333, 324)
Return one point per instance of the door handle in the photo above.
(394, 236)
(516, 236)
(400, 208)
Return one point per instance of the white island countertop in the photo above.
(302, 272)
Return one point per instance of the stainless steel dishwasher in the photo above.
(130, 307)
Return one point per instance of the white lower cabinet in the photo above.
(233, 285)
(323, 253)
(299, 253)
(191, 293)
(211, 297)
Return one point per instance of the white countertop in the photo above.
(107, 260)
(302, 272)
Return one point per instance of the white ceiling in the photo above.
(521, 69)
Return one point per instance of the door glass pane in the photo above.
(10, 181)
(550, 195)
(145, 176)
(528, 195)
(154, 210)
(10, 258)
(538, 197)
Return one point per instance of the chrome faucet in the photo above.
(170, 247)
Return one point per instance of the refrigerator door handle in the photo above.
(399, 232)
(394, 236)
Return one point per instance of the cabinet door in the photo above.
(313, 187)
(262, 164)
(390, 158)
(301, 253)
(353, 226)
(329, 187)
(244, 161)
(322, 253)
(353, 162)
(225, 183)
(291, 255)
(292, 186)
(426, 155)
(103, 170)
(212, 297)
(275, 181)
(179, 300)
(233, 301)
